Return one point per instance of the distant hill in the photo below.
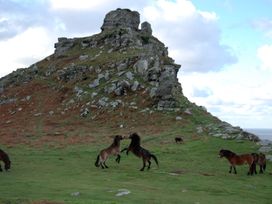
(119, 80)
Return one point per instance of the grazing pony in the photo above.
(178, 140)
(136, 149)
(259, 159)
(5, 158)
(235, 159)
(113, 149)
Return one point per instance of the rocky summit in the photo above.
(122, 74)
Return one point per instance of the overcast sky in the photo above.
(224, 47)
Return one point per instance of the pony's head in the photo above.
(225, 153)
(135, 138)
(118, 137)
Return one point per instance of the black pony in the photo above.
(136, 149)
(5, 158)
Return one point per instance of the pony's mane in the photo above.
(228, 152)
(135, 139)
(116, 140)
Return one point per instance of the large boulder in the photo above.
(121, 18)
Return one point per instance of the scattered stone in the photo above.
(94, 84)
(51, 113)
(37, 114)
(83, 57)
(199, 130)
(178, 118)
(129, 75)
(135, 86)
(188, 111)
(8, 121)
(122, 192)
(75, 194)
(84, 112)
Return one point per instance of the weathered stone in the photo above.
(135, 86)
(178, 118)
(141, 66)
(129, 75)
(83, 57)
(63, 45)
(103, 102)
(94, 84)
(121, 18)
(84, 112)
(146, 29)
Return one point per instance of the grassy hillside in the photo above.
(188, 173)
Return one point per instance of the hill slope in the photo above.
(121, 79)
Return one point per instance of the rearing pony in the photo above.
(5, 158)
(235, 159)
(136, 149)
(113, 149)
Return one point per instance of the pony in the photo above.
(5, 158)
(139, 151)
(235, 159)
(259, 159)
(113, 149)
(178, 140)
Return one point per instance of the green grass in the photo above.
(52, 174)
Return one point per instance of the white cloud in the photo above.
(264, 53)
(232, 96)
(25, 49)
(78, 4)
(190, 35)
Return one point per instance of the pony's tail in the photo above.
(97, 161)
(155, 158)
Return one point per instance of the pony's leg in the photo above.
(234, 170)
(118, 158)
(261, 169)
(1, 168)
(143, 166)
(255, 167)
(149, 163)
(230, 170)
(105, 164)
(102, 165)
(252, 168)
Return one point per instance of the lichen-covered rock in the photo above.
(121, 18)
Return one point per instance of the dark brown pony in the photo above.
(5, 158)
(235, 159)
(136, 149)
(259, 159)
(113, 149)
(178, 140)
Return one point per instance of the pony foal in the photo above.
(113, 149)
